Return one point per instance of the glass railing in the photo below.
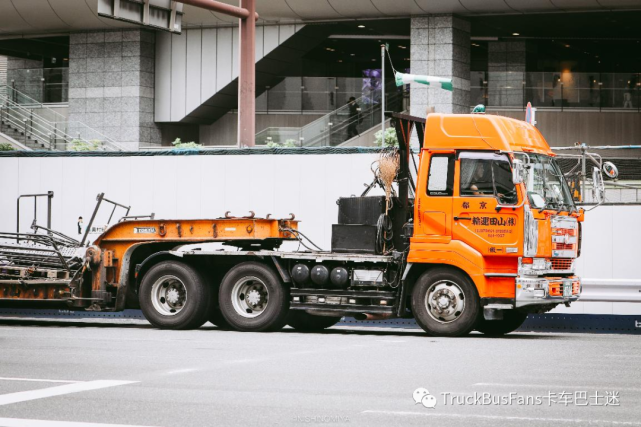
(334, 128)
(561, 90)
(279, 136)
(315, 94)
(45, 85)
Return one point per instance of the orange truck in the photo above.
(478, 233)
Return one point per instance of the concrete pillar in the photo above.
(3, 70)
(26, 76)
(111, 85)
(440, 46)
(506, 73)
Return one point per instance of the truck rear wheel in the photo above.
(445, 303)
(306, 322)
(512, 320)
(252, 298)
(174, 295)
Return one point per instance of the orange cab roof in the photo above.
(483, 132)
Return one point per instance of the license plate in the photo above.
(567, 289)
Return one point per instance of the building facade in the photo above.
(578, 62)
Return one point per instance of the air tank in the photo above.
(320, 275)
(339, 277)
(300, 274)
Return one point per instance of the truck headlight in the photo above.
(529, 266)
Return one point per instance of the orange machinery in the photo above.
(490, 235)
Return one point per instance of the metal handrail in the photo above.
(29, 100)
(18, 116)
(47, 132)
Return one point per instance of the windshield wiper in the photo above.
(548, 205)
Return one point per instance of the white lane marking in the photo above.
(391, 341)
(37, 380)
(623, 355)
(560, 386)
(182, 371)
(23, 396)
(14, 422)
(498, 417)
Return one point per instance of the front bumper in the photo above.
(546, 290)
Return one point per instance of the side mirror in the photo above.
(610, 170)
(598, 187)
(519, 172)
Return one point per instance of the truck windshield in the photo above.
(546, 185)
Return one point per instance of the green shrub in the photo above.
(7, 147)
(288, 143)
(179, 144)
(80, 145)
(391, 139)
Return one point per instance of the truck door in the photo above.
(434, 206)
(485, 182)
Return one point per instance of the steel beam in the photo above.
(227, 9)
(247, 78)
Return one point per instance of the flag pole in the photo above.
(383, 94)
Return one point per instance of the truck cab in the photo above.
(492, 207)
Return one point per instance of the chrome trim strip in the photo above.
(499, 306)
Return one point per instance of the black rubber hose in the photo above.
(384, 234)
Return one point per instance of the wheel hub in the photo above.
(172, 296)
(168, 295)
(253, 298)
(250, 297)
(445, 301)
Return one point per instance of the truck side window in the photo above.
(487, 174)
(441, 176)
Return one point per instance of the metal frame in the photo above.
(48, 195)
(101, 198)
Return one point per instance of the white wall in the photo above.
(307, 185)
(187, 187)
(611, 250)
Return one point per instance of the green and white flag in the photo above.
(404, 79)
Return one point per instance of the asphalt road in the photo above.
(135, 375)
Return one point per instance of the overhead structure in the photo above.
(167, 15)
(160, 14)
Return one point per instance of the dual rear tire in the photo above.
(174, 295)
(250, 298)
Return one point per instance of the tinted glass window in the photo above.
(440, 180)
(488, 175)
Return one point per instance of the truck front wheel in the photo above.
(512, 320)
(305, 322)
(252, 298)
(445, 303)
(174, 295)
